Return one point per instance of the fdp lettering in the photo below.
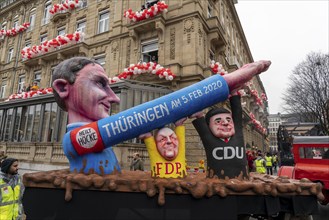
(228, 152)
(168, 167)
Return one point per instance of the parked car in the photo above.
(311, 158)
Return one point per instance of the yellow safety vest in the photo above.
(260, 166)
(268, 161)
(10, 204)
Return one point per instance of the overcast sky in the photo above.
(284, 32)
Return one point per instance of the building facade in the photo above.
(185, 38)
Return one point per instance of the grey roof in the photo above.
(311, 139)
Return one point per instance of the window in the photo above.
(221, 11)
(313, 152)
(100, 59)
(21, 82)
(44, 122)
(3, 27)
(28, 43)
(7, 124)
(211, 55)
(84, 3)
(15, 24)
(37, 76)
(3, 88)
(51, 76)
(228, 26)
(43, 38)
(150, 3)
(10, 54)
(46, 13)
(103, 23)
(81, 26)
(32, 20)
(150, 51)
(48, 124)
(209, 11)
(61, 31)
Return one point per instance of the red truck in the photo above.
(311, 157)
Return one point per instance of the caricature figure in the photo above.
(222, 137)
(221, 130)
(167, 151)
(81, 88)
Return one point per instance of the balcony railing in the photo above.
(5, 3)
(35, 152)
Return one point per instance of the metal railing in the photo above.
(5, 3)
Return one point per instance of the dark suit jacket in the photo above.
(225, 159)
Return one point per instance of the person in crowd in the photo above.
(2, 156)
(23, 89)
(35, 86)
(260, 163)
(167, 151)
(137, 163)
(11, 190)
(250, 159)
(28, 88)
(275, 162)
(269, 163)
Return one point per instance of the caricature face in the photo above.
(167, 143)
(221, 125)
(90, 96)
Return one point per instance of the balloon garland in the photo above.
(30, 94)
(257, 124)
(157, 8)
(140, 68)
(67, 5)
(217, 68)
(47, 46)
(259, 99)
(15, 30)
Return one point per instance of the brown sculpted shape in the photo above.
(196, 184)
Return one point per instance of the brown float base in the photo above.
(44, 203)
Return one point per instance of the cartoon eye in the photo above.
(218, 121)
(101, 84)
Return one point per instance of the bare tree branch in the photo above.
(308, 90)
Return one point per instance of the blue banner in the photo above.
(162, 111)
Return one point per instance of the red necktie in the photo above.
(226, 140)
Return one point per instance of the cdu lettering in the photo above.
(228, 153)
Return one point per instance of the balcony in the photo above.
(6, 3)
(59, 53)
(60, 16)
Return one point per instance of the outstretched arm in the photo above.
(145, 135)
(238, 78)
(180, 121)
